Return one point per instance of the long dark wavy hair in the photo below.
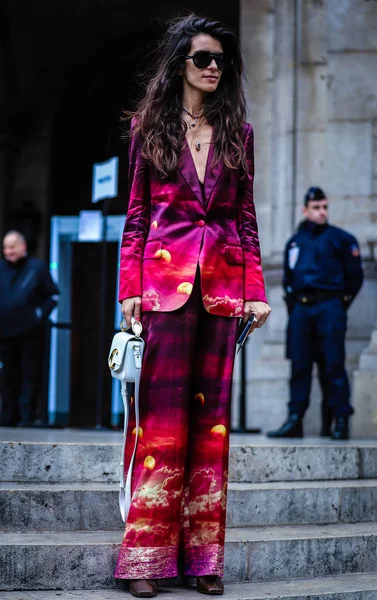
(159, 113)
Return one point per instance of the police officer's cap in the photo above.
(314, 193)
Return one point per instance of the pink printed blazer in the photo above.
(171, 229)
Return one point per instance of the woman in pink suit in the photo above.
(190, 268)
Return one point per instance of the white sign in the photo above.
(90, 226)
(105, 179)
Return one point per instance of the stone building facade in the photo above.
(312, 72)
(66, 71)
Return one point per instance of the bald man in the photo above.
(27, 296)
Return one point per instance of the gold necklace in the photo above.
(196, 119)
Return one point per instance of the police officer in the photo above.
(322, 275)
(27, 296)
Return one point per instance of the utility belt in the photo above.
(315, 296)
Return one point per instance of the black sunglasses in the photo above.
(203, 58)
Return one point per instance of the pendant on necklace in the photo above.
(198, 145)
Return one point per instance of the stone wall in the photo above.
(312, 96)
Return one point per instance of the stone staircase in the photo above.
(302, 521)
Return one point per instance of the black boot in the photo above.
(292, 428)
(341, 431)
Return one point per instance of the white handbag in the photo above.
(125, 359)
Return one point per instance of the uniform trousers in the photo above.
(317, 332)
(176, 522)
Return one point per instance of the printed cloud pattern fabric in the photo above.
(171, 228)
(180, 476)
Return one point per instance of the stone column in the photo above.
(268, 391)
(267, 34)
(283, 125)
(257, 42)
(364, 422)
(299, 110)
(294, 106)
(311, 143)
(352, 187)
(364, 392)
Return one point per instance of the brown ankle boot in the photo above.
(143, 588)
(210, 584)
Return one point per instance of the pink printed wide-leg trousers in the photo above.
(180, 476)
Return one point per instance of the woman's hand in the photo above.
(261, 310)
(131, 307)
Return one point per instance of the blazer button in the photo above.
(201, 223)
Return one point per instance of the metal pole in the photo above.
(242, 428)
(102, 309)
(243, 389)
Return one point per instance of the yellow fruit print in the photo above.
(154, 225)
(184, 288)
(141, 432)
(149, 463)
(218, 431)
(200, 397)
(164, 254)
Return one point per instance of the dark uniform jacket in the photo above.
(27, 296)
(322, 257)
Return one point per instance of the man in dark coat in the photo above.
(322, 275)
(27, 296)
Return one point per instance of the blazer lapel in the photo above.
(187, 167)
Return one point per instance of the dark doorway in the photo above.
(87, 122)
(88, 127)
(84, 336)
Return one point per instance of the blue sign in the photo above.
(105, 179)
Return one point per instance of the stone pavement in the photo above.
(346, 587)
(302, 518)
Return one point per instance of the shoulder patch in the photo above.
(293, 254)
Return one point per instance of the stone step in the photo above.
(278, 461)
(94, 506)
(357, 586)
(302, 503)
(83, 560)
